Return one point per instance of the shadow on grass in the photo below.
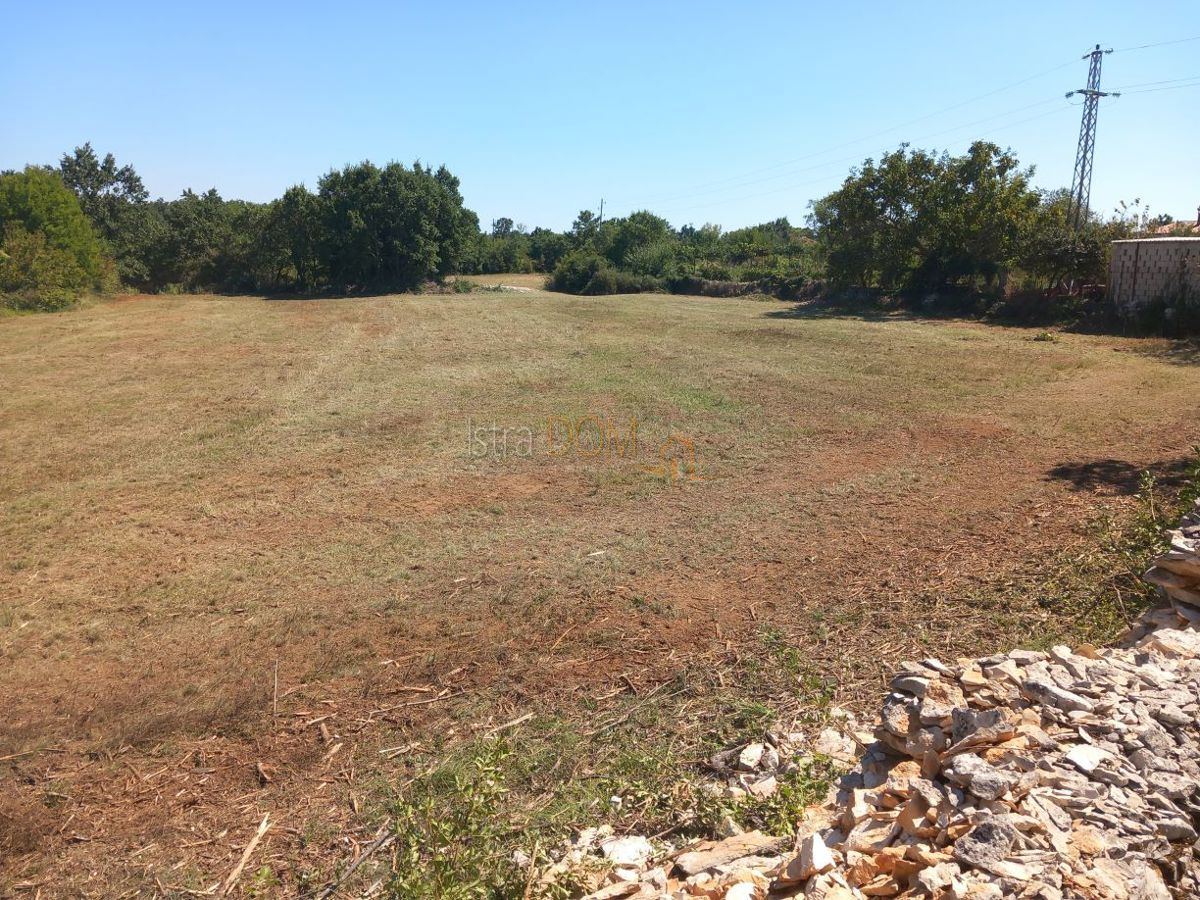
(1172, 352)
(1119, 477)
(1072, 314)
(292, 297)
(869, 311)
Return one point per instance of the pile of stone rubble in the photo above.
(1060, 774)
(1177, 572)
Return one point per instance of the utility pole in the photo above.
(601, 210)
(1081, 181)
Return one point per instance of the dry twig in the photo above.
(237, 870)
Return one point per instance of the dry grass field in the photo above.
(248, 544)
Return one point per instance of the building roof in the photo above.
(1177, 226)
(1157, 240)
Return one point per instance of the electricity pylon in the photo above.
(1081, 181)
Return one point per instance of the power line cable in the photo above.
(843, 160)
(788, 187)
(790, 162)
(1172, 88)
(1146, 84)
(736, 182)
(1157, 44)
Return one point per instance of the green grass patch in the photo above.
(639, 764)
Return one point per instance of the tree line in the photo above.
(642, 252)
(911, 223)
(88, 224)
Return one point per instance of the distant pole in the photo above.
(601, 210)
(1081, 181)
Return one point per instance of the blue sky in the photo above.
(726, 112)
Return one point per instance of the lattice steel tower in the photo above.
(1081, 181)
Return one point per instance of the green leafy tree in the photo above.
(391, 228)
(113, 198)
(503, 254)
(291, 239)
(546, 248)
(141, 244)
(50, 255)
(621, 237)
(585, 229)
(916, 221)
(197, 244)
(102, 187)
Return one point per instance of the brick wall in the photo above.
(1147, 270)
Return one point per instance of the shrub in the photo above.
(49, 256)
(584, 272)
(35, 275)
(451, 841)
(713, 270)
(1172, 315)
(658, 259)
(574, 271)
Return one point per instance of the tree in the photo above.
(621, 237)
(456, 224)
(101, 186)
(49, 256)
(140, 246)
(975, 217)
(391, 228)
(916, 221)
(585, 228)
(291, 237)
(107, 192)
(198, 241)
(546, 248)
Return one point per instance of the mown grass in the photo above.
(197, 490)
(461, 826)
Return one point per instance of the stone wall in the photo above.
(1144, 271)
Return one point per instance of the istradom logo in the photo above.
(589, 437)
(676, 460)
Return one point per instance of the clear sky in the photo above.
(726, 112)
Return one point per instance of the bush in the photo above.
(713, 270)
(584, 272)
(1175, 315)
(659, 260)
(35, 275)
(574, 271)
(50, 256)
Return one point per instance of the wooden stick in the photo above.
(391, 752)
(444, 695)
(237, 870)
(30, 752)
(275, 698)
(532, 871)
(382, 841)
(18, 755)
(499, 728)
